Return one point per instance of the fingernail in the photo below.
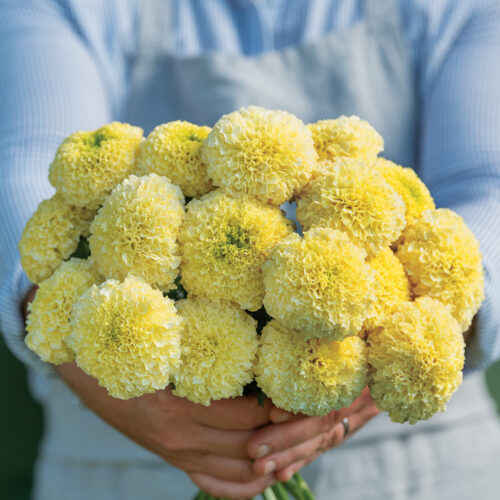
(282, 416)
(270, 466)
(288, 475)
(263, 450)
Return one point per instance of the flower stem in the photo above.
(268, 494)
(280, 491)
(294, 489)
(304, 487)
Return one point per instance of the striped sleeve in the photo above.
(51, 86)
(460, 143)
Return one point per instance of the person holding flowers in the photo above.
(411, 79)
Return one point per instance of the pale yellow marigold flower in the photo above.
(51, 235)
(127, 336)
(218, 347)
(392, 286)
(136, 229)
(225, 240)
(319, 285)
(48, 323)
(408, 185)
(260, 152)
(89, 164)
(312, 377)
(346, 136)
(174, 150)
(416, 358)
(351, 197)
(442, 259)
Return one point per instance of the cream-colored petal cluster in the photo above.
(136, 229)
(127, 336)
(225, 240)
(351, 197)
(89, 164)
(319, 285)
(442, 259)
(48, 323)
(51, 235)
(416, 359)
(346, 136)
(408, 185)
(218, 345)
(260, 152)
(174, 149)
(311, 377)
(392, 288)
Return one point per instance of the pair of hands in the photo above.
(233, 448)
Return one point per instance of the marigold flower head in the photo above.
(225, 240)
(127, 336)
(442, 259)
(319, 285)
(392, 286)
(89, 164)
(311, 377)
(416, 357)
(136, 229)
(408, 185)
(351, 197)
(260, 152)
(218, 345)
(174, 150)
(48, 323)
(51, 235)
(346, 136)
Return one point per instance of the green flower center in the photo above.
(193, 137)
(113, 334)
(412, 189)
(96, 139)
(236, 238)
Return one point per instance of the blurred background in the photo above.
(21, 427)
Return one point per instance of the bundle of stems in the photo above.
(294, 489)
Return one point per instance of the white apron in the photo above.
(364, 70)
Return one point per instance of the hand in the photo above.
(30, 296)
(294, 441)
(208, 443)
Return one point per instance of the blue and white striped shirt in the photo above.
(64, 66)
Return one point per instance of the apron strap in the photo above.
(382, 15)
(155, 27)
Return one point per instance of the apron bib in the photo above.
(364, 70)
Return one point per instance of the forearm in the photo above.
(51, 86)
(460, 153)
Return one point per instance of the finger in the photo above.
(330, 439)
(356, 421)
(230, 469)
(283, 459)
(230, 489)
(277, 437)
(203, 439)
(243, 413)
(359, 418)
(287, 473)
(279, 416)
(362, 400)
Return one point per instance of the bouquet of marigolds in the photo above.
(373, 287)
